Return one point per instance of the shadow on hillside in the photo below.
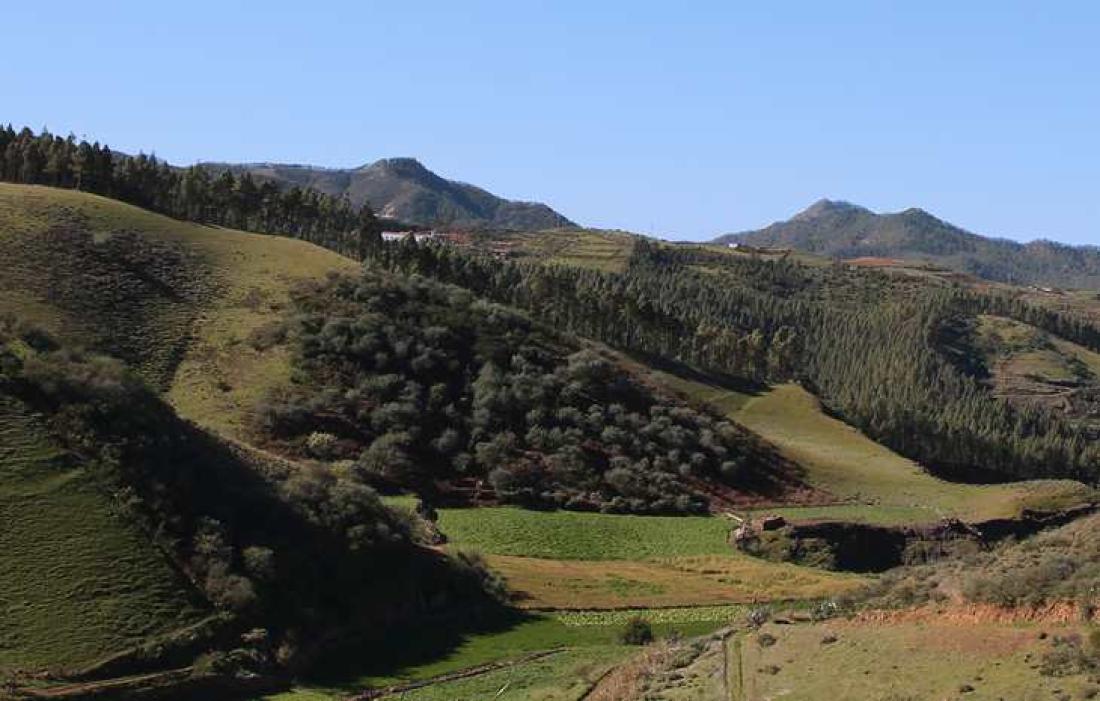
(394, 653)
(719, 380)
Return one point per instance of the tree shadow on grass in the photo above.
(395, 652)
(720, 380)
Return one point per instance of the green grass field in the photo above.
(431, 650)
(76, 581)
(571, 560)
(841, 460)
(876, 484)
(562, 676)
(571, 535)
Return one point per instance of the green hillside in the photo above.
(867, 481)
(328, 382)
(178, 301)
(1031, 367)
(77, 582)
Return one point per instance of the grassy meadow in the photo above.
(572, 560)
(945, 660)
(177, 300)
(870, 482)
(584, 645)
(77, 581)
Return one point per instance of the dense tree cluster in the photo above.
(193, 194)
(407, 382)
(618, 309)
(867, 343)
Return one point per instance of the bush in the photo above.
(758, 616)
(1066, 657)
(470, 567)
(824, 610)
(637, 631)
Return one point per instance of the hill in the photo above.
(176, 300)
(405, 190)
(136, 542)
(568, 373)
(844, 230)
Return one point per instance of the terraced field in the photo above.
(76, 580)
(570, 560)
(584, 248)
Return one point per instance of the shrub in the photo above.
(470, 567)
(765, 640)
(758, 616)
(321, 445)
(1065, 658)
(637, 631)
(824, 610)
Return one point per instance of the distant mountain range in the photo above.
(403, 189)
(844, 230)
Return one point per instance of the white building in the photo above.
(391, 236)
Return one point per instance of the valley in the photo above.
(335, 468)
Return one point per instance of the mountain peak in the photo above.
(404, 166)
(405, 189)
(824, 207)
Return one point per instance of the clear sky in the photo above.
(682, 119)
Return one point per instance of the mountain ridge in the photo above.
(403, 188)
(840, 229)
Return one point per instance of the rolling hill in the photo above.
(844, 230)
(130, 508)
(214, 319)
(178, 301)
(405, 190)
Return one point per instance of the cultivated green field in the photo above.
(571, 535)
(77, 582)
(571, 560)
(584, 248)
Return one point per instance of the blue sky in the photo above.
(682, 119)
